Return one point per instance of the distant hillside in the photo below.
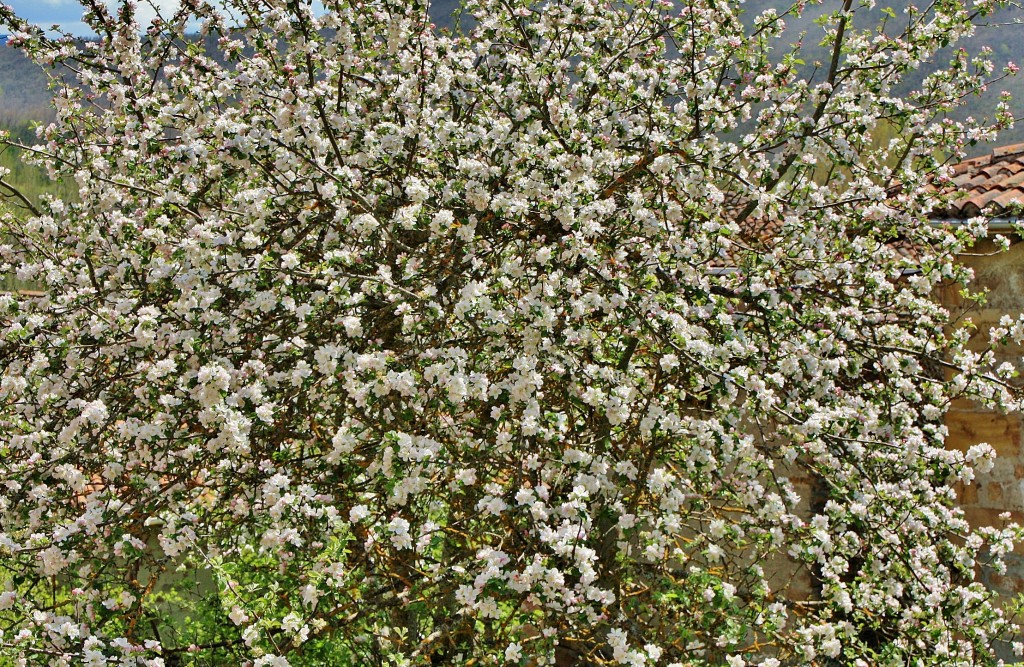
(23, 90)
(24, 94)
(1001, 32)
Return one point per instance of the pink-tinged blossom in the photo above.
(590, 330)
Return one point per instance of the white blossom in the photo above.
(586, 328)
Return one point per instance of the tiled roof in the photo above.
(989, 184)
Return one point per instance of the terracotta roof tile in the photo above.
(970, 209)
(1009, 197)
(986, 198)
(991, 184)
(1008, 151)
(994, 171)
(967, 165)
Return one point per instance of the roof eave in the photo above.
(996, 225)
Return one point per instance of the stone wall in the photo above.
(1001, 489)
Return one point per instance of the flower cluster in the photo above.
(595, 334)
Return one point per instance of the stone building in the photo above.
(992, 184)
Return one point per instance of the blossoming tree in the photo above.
(598, 333)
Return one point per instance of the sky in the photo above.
(68, 13)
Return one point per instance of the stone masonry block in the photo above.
(968, 428)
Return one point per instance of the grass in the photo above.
(31, 180)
